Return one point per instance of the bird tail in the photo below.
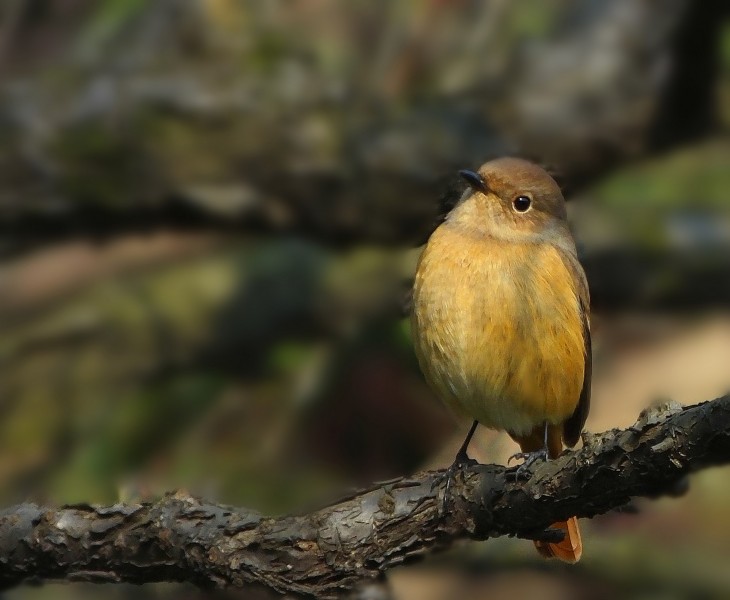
(569, 549)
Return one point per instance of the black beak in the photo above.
(474, 180)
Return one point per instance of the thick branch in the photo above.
(328, 551)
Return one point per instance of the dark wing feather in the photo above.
(574, 424)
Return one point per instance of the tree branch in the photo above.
(333, 549)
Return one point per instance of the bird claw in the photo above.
(462, 460)
(529, 459)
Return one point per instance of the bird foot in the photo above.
(529, 459)
(461, 460)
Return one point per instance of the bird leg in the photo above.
(530, 458)
(460, 460)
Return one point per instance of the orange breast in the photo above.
(497, 330)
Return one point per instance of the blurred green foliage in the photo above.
(696, 178)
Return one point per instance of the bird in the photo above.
(500, 318)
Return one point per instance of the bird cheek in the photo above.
(493, 207)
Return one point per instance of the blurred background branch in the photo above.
(306, 141)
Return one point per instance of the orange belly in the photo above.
(497, 330)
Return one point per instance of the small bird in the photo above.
(500, 317)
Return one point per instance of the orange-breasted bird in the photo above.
(501, 317)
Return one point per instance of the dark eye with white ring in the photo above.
(522, 204)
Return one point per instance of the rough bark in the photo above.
(331, 550)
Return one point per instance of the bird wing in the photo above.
(574, 424)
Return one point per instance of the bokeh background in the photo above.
(210, 214)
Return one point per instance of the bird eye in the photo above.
(522, 204)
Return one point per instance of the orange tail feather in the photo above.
(570, 549)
